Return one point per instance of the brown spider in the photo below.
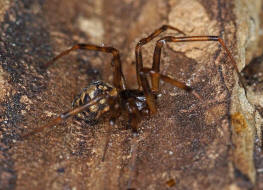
(100, 97)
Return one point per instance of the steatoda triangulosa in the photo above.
(100, 97)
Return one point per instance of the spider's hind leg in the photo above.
(65, 116)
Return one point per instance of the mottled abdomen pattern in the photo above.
(93, 113)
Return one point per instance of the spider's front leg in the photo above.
(142, 42)
(140, 72)
(162, 41)
(155, 70)
(118, 77)
(157, 76)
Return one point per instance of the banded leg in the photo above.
(148, 92)
(134, 121)
(118, 77)
(150, 99)
(167, 79)
(138, 51)
(160, 43)
(114, 114)
(65, 116)
(134, 116)
(171, 81)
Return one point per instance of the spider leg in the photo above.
(160, 43)
(118, 77)
(115, 113)
(171, 81)
(134, 121)
(150, 98)
(65, 116)
(167, 79)
(138, 51)
(134, 117)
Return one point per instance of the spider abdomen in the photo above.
(92, 114)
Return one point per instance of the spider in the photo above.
(101, 97)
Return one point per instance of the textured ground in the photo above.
(188, 145)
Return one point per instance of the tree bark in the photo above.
(189, 144)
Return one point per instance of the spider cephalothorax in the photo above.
(100, 97)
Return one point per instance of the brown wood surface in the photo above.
(189, 144)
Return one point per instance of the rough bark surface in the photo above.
(188, 145)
